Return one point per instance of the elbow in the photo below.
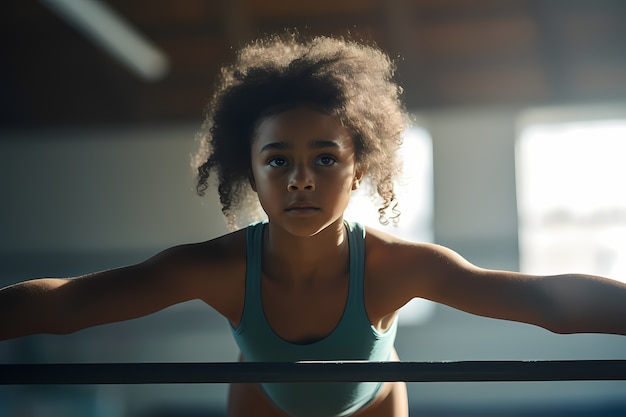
(555, 320)
(561, 323)
(560, 329)
(554, 312)
(62, 331)
(58, 321)
(64, 325)
(52, 327)
(552, 326)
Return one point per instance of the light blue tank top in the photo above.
(354, 338)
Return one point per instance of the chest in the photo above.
(305, 312)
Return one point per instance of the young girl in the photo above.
(297, 126)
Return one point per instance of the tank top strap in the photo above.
(254, 255)
(252, 310)
(356, 241)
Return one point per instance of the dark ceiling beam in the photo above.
(412, 74)
(237, 26)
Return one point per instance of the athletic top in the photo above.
(354, 338)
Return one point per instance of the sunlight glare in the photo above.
(571, 202)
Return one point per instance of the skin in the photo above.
(303, 169)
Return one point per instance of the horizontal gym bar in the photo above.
(348, 371)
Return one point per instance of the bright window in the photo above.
(415, 202)
(571, 197)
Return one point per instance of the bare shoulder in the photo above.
(411, 269)
(213, 271)
(220, 252)
(385, 251)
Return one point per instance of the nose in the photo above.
(301, 179)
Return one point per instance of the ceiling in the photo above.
(452, 53)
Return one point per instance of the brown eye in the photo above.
(277, 162)
(325, 160)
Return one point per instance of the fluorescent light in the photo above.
(113, 33)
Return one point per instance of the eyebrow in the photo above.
(318, 144)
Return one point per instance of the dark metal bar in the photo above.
(232, 372)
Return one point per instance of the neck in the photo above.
(297, 257)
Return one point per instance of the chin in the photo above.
(307, 227)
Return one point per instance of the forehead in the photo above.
(301, 124)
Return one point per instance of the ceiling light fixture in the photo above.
(111, 31)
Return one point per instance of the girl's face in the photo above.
(303, 169)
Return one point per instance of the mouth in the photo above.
(302, 208)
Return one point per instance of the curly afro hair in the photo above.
(351, 80)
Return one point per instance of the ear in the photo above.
(358, 175)
(251, 180)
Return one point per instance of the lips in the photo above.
(302, 207)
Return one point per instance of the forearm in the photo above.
(30, 308)
(586, 304)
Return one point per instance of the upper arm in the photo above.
(200, 271)
(439, 274)
(565, 303)
(448, 278)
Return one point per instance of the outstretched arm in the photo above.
(568, 303)
(65, 305)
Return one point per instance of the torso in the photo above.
(283, 302)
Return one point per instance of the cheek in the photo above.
(258, 175)
(343, 184)
(264, 183)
